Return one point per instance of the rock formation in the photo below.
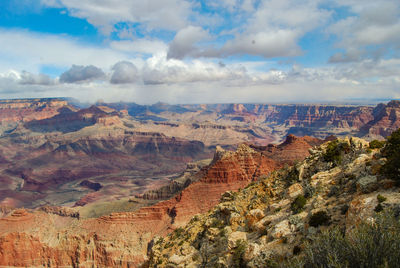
(271, 220)
(56, 237)
(26, 110)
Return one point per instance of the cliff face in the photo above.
(56, 237)
(29, 109)
(386, 118)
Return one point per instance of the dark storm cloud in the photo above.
(125, 72)
(79, 73)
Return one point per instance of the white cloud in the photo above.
(27, 78)
(22, 50)
(154, 14)
(143, 46)
(273, 30)
(371, 32)
(160, 70)
(185, 41)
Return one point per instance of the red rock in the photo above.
(121, 239)
(29, 109)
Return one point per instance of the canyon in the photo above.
(54, 236)
(92, 186)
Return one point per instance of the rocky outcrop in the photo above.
(61, 211)
(272, 219)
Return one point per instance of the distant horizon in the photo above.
(355, 102)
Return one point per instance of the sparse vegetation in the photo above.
(334, 151)
(381, 198)
(178, 233)
(375, 144)
(369, 244)
(238, 253)
(319, 218)
(298, 204)
(309, 190)
(378, 208)
(392, 152)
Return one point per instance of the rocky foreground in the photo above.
(339, 185)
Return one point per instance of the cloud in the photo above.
(124, 72)
(144, 46)
(281, 43)
(371, 32)
(160, 70)
(272, 30)
(27, 78)
(79, 73)
(46, 49)
(153, 14)
(184, 42)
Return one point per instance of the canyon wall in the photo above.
(57, 237)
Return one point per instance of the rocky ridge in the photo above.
(273, 218)
(25, 110)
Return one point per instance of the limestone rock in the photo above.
(367, 184)
(294, 190)
(234, 237)
(281, 229)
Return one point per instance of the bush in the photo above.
(334, 151)
(238, 253)
(319, 218)
(381, 198)
(392, 152)
(378, 208)
(298, 204)
(309, 190)
(369, 244)
(375, 144)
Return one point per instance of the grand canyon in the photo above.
(93, 186)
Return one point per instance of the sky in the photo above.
(200, 51)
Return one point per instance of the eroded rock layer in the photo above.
(56, 237)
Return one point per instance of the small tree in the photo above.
(392, 152)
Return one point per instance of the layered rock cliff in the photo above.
(57, 237)
(26, 110)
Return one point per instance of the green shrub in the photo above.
(238, 253)
(392, 152)
(319, 218)
(309, 190)
(178, 233)
(375, 144)
(381, 198)
(292, 175)
(369, 244)
(334, 151)
(298, 204)
(378, 208)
